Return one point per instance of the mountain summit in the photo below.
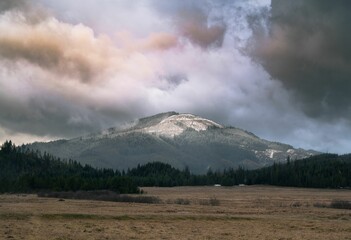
(176, 124)
(168, 124)
(182, 140)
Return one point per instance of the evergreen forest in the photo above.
(24, 170)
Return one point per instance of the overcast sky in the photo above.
(280, 69)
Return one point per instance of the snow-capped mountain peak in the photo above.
(167, 124)
(178, 123)
(166, 137)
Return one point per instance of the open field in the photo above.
(250, 212)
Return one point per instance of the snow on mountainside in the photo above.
(177, 124)
(165, 124)
(178, 139)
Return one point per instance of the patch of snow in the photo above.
(290, 151)
(176, 124)
(270, 152)
(170, 126)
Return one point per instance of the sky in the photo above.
(280, 69)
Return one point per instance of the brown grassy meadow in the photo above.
(250, 212)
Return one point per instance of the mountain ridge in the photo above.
(180, 139)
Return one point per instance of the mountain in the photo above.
(182, 140)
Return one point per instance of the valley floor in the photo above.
(250, 212)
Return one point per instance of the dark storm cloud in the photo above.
(172, 81)
(6, 5)
(32, 12)
(45, 115)
(193, 25)
(191, 20)
(51, 115)
(308, 49)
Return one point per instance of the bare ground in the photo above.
(251, 212)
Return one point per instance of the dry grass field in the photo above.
(250, 212)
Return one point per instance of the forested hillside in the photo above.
(27, 171)
(22, 170)
(321, 171)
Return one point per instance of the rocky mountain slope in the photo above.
(178, 139)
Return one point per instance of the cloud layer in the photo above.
(69, 68)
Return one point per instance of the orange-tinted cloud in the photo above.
(159, 41)
(58, 47)
(195, 27)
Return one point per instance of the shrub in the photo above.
(213, 201)
(102, 195)
(340, 204)
(182, 201)
(296, 204)
(320, 205)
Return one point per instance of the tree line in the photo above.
(321, 171)
(24, 170)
